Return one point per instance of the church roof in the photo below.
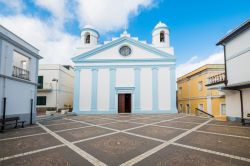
(120, 40)
(161, 25)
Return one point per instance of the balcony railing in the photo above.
(216, 79)
(20, 73)
(45, 87)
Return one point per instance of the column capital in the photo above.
(112, 69)
(94, 69)
(137, 68)
(155, 68)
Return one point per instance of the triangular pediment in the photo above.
(110, 52)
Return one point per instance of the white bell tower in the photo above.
(160, 38)
(89, 37)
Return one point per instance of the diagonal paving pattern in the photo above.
(129, 139)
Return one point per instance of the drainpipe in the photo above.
(241, 108)
(225, 63)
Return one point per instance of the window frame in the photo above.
(162, 38)
(221, 109)
(41, 103)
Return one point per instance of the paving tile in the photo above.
(66, 126)
(78, 134)
(117, 148)
(58, 156)
(227, 123)
(230, 145)
(146, 121)
(239, 131)
(192, 119)
(22, 145)
(55, 121)
(98, 121)
(175, 155)
(178, 124)
(157, 132)
(121, 125)
(21, 132)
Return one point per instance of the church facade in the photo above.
(125, 75)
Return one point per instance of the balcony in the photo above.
(46, 87)
(21, 73)
(216, 79)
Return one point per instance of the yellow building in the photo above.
(194, 95)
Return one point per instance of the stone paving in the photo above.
(127, 139)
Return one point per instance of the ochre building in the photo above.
(193, 93)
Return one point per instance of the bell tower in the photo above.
(89, 37)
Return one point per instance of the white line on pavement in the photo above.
(30, 135)
(76, 149)
(156, 149)
(213, 152)
(31, 152)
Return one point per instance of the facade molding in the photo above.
(76, 91)
(137, 89)
(94, 89)
(155, 88)
(173, 89)
(112, 81)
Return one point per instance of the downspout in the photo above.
(241, 108)
(225, 63)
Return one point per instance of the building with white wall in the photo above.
(125, 75)
(18, 76)
(55, 86)
(237, 72)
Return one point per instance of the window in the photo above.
(162, 37)
(125, 51)
(201, 107)
(87, 38)
(20, 66)
(180, 90)
(180, 107)
(40, 82)
(200, 85)
(187, 108)
(223, 109)
(41, 100)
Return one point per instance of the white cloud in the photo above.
(193, 63)
(55, 45)
(13, 6)
(57, 8)
(49, 36)
(109, 15)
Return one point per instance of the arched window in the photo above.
(162, 37)
(87, 38)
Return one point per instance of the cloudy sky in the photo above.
(53, 26)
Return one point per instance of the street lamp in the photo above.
(56, 80)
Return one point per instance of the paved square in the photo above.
(60, 156)
(78, 134)
(117, 148)
(174, 155)
(127, 139)
(157, 132)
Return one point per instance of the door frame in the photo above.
(125, 90)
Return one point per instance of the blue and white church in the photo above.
(125, 75)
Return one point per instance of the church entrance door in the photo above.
(124, 103)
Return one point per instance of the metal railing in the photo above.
(45, 87)
(199, 112)
(216, 79)
(20, 73)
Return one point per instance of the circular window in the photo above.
(125, 50)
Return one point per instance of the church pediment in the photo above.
(124, 49)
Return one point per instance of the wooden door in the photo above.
(128, 103)
(121, 103)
